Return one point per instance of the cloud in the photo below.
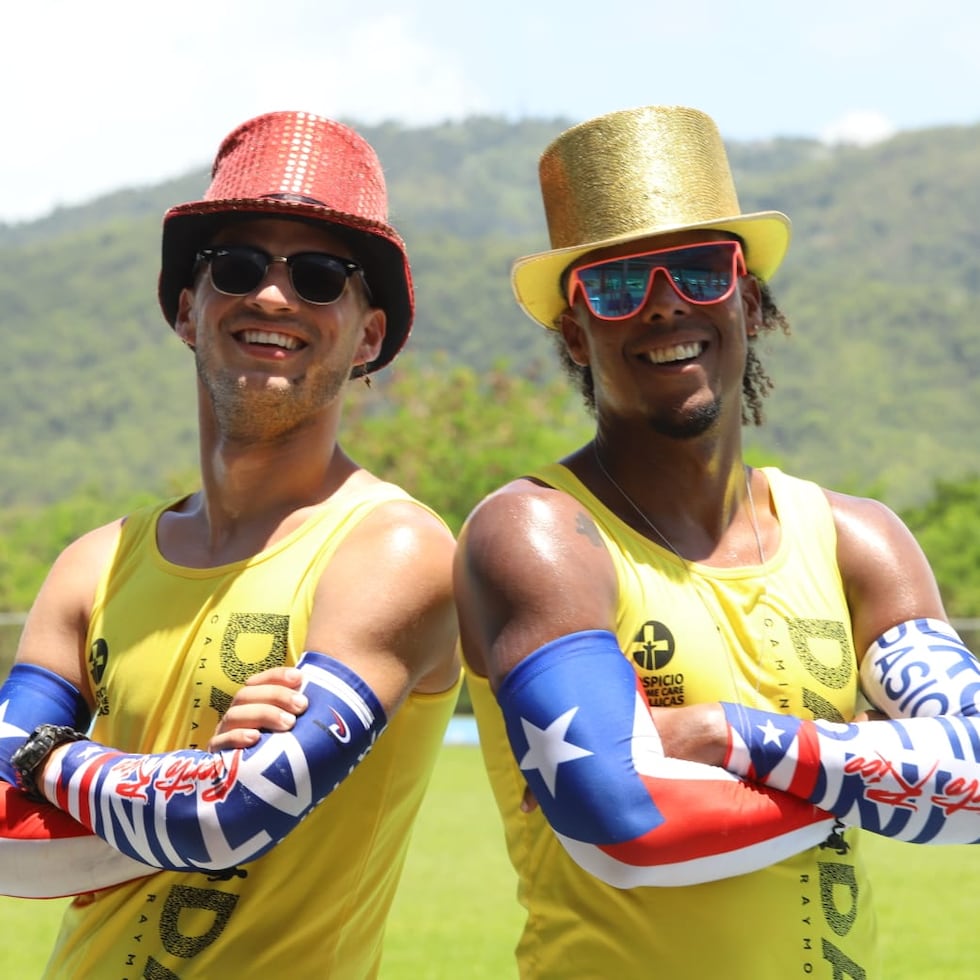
(387, 68)
(118, 94)
(859, 127)
(151, 92)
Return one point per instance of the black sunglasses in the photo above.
(317, 277)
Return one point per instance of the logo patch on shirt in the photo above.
(653, 646)
(651, 651)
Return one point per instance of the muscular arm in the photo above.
(536, 594)
(45, 853)
(384, 615)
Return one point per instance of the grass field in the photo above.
(455, 917)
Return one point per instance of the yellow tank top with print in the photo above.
(168, 647)
(777, 637)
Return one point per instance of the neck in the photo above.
(700, 513)
(258, 458)
(254, 492)
(240, 486)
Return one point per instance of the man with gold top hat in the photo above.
(666, 648)
(324, 590)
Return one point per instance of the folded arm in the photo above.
(915, 778)
(45, 853)
(582, 734)
(193, 810)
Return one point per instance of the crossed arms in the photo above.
(185, 809)
(691, 794)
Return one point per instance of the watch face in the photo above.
(38, 744)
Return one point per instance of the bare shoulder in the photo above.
(886, 576)
(530, 519)
(409, 520)
(402, 540)
(96, 546)
(402, 526)
(867, 528)
(77, 570)
(531, 566)
(384, 604)
(400, 543)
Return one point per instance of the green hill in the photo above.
(876, 389)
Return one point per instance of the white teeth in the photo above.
(680, 352)
(267, 337)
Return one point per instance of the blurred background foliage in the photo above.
(876, 388)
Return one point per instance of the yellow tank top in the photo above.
(779, 638)
(168, 647)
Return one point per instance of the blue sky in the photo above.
(114, 93)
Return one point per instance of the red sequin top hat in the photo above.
(297, 165)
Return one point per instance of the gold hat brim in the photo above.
(536, 279)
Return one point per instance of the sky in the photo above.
(106, 94)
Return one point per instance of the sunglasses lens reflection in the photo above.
(237, 272)
(700, 274)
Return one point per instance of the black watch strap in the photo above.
(29, 758)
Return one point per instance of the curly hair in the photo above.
(756, 383)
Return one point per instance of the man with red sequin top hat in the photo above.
(293, 582)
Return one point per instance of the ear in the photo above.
(751, 305)
(185, 325)
(574, 337)
(375, 325)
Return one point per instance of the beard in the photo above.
(247, 412)
(688, 424)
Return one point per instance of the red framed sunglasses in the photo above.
(702, 273)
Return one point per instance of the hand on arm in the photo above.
(268, 701)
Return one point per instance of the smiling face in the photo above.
(674, 365)
(268, 360)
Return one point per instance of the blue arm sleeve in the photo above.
(190, 810)
(583, 736)
(33, 696)
(44, 853)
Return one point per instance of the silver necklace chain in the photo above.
(656, 530)
(694, 582)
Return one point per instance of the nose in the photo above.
(663, 298)
(276, 287)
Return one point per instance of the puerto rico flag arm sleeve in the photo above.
(582, 734)
(45, 853)
(194, 810)
(915, 778)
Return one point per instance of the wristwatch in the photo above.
(30, 757)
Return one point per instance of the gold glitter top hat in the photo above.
(629, 175)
